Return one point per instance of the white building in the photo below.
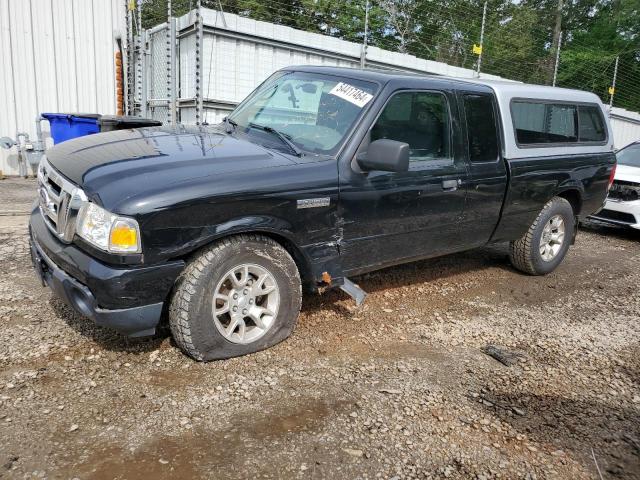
(57, 56)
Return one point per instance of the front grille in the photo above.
(56, 188)
(624, 191)
(619, 217)
(60, 201)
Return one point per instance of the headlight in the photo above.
(107, 231)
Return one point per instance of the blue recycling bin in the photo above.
(65, 126)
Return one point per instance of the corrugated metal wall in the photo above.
(57, 56)
(625, 125)
(238, 53)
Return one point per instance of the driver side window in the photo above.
(420, 119)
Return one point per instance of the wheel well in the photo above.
(574, 198)
(293, 250)
(298, 257)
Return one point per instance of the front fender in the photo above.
(183, 240)
(269, 201)
(313, 259)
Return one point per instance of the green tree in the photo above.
(610, 29)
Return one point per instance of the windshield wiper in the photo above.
(286, 139)
(230, 125)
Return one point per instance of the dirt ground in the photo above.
(399, 388)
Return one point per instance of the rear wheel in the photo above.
(238, 296)
(547, 241)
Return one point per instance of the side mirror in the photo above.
(385, 155)
(6, 142)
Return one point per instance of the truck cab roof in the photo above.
(500, 87)
(377, 75)
(505, 93)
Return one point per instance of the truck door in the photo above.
(388, 217)
(487, 170)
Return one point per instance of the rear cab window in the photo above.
(542, 122)
(482, 131)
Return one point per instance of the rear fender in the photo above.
(573, 192)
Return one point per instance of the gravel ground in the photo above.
(399, 388)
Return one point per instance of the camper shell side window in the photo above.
(540, 123)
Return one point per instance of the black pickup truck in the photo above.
(321, 174)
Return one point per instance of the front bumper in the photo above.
(129, 300)
(619, 212)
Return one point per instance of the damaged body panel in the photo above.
(192, 188)
(347, 171)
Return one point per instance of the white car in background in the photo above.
(623, 203)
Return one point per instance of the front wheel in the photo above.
(543, 247)
(239, 296)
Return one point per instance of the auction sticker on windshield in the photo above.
(351, 94)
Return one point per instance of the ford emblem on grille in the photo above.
(46, 203)
(60, 202)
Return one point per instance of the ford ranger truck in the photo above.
(320, 175)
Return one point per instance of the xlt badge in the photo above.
(314, 202)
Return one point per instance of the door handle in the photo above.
(451, 185)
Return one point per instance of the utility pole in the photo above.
(363, 53)
(612, 89)
(557, 32)
(129, 68)
(479, 50)
(199, 45)
(171, 65)
(138, 61)
(555, 68)
(221, 10)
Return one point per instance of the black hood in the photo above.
(155, 157)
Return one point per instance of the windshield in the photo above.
(314, 112)
(629, 155)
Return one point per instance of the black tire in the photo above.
(191, 311)
(525, 253)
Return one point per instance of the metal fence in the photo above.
(223, 57)
(200, 65)
(159, 101)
